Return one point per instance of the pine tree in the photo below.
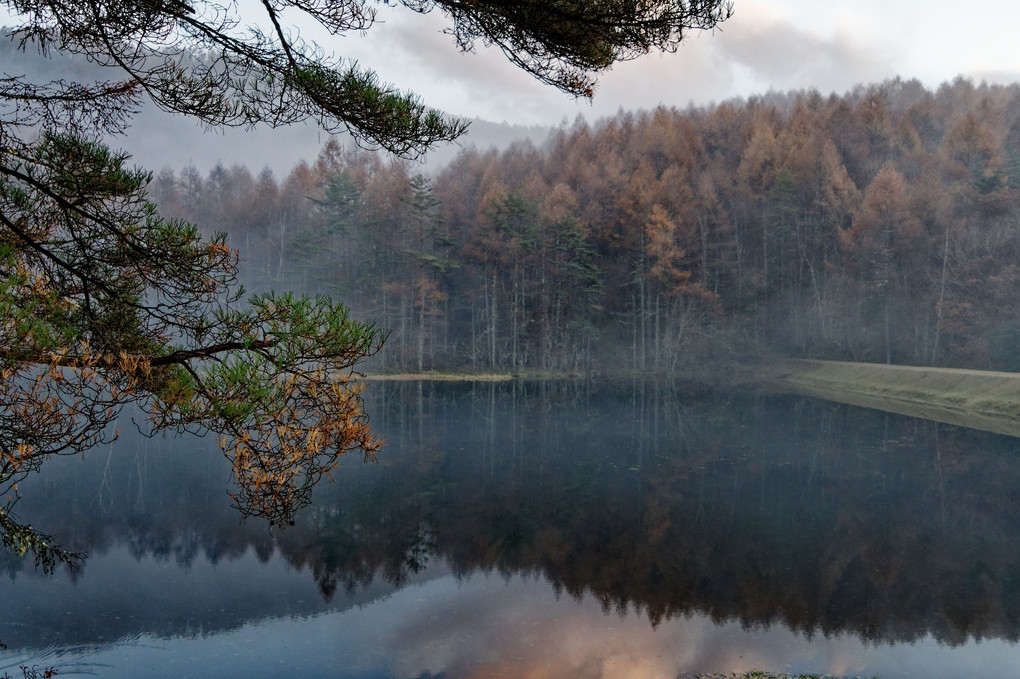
(107, 304)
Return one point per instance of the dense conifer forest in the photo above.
(881, 225)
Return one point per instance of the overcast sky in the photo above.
(767, 44)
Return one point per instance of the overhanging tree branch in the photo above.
(105, 304)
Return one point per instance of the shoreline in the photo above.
(438, 377)
(979, 399)
(526, 375)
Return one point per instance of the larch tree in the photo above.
(105, 304)
(882, 232)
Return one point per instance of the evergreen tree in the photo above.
(106, 304)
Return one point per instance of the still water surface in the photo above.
(544, 530)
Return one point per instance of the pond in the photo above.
(543, 529)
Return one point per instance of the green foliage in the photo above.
(516, 218)
(985, 181)
(107, 304)
(204, 60)
(342, 202)
(22, 540)
(563, 42)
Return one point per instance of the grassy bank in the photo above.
(978, 399)
(970, 398)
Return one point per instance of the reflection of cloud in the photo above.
(487, 629)
(484, 627)
(510, 632)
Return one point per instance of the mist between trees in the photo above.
(882, 225)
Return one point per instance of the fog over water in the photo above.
(548, 529)
(817, 182)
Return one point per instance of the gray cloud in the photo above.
(481, 83)
(995, 77)
(784, 56)
(751, 53)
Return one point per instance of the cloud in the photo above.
(994, 76)
(481, 83)
(755, 51)
(752, 53)
(783, 55)
(759, 49)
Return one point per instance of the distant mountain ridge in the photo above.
(159, 140)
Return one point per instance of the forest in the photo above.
(880, 225)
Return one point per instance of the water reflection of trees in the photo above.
(823, 517)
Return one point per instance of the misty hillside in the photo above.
(881, 225)
(158, 140)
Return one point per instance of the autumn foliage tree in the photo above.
(107, 304)
(875, 226)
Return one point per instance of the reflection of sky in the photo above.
(486, 627)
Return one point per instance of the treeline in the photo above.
(881, 225)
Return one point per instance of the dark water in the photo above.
(544, 530)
